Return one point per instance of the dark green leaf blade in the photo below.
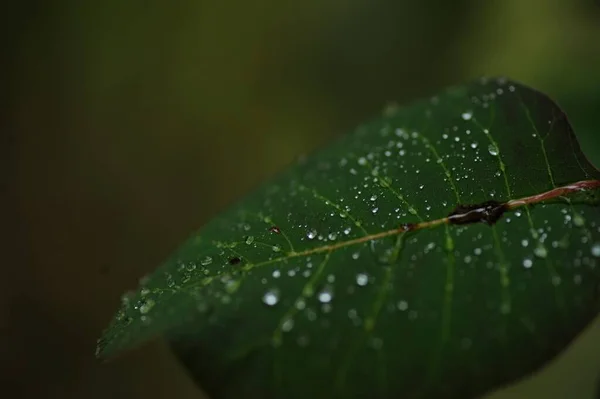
(333, 281)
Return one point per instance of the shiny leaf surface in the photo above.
(443, 250)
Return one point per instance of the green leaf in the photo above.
(440, 251)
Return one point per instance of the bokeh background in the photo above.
(128, 124)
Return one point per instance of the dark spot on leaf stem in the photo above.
(274, 229)
(488, 212)
(234, 261)
(408, 226)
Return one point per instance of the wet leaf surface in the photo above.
(443, 250)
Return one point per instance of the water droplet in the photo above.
(527, 263)
(206, 261)
(596, 250)
(276, 274)
(325, 296)
(191, 266)
(146, 306)
(232, 285)
(170, 281)
(362, 279)
(287, 325)
(276, 248)
(332, 236)
(300, 304)
(402, 305)
(493, 150)
(540, 251)
(311, 234)
(474, 145)
(467, 115)
(578, 220)
(271, 297)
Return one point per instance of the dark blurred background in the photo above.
(128, 124)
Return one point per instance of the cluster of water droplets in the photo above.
(371, 190)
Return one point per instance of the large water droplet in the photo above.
(362, 279)
(325, 296)
(467, 115)
(578, 220)
(540, 251)
(271, 297)
(596, 250)
(527, 263)
(146, 306)
(249, 240)
(311, 234)
(493, 150)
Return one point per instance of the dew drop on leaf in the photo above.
(467, 115)
(362, 279)
(232, 285)
(326, 295)
(271, 297)
(493, 150)
(596, 250)
(287, 325)
(311, 234)
(540, 251)
(206, 261)
(249, 240)
(146, 306)
(578, 220)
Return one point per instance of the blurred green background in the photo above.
(128, 124)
